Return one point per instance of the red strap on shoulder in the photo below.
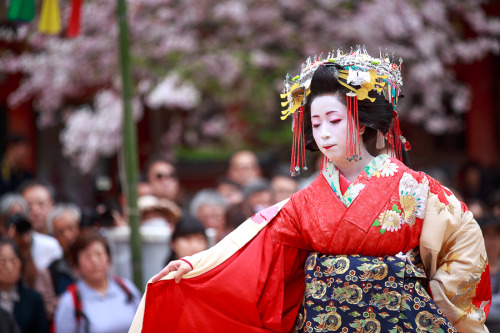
(73, 290)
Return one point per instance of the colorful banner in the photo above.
(50, 18)
(74, 19)
(21, 10)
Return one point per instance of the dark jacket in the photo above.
(7, 323)
(29, 312)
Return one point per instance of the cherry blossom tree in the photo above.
(222, 62)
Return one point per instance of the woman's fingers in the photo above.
(178, 266)
(183, 269)
(172, 266)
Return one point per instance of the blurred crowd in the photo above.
(65, 268)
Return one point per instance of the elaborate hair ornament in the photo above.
(360, 73)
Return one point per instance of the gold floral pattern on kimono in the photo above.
(410, 206)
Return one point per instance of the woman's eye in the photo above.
(315, 125)
(336, 121)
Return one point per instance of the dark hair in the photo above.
(157, 158)
(376, 116)
(226, 181)
(188, 225)
(489, 220)
(20, 221)
(86, 237)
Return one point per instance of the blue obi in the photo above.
(368, 294)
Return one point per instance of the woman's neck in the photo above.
(351, 170)
(101, 285)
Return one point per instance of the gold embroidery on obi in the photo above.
(316, 289)
(352, 294)
(336, 265)
(373, 271)
(371, 325)
(391, 300)
(328, 322)
(427, 322)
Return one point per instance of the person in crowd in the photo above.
(43, 248)
(13, 164)
(258, 195)
(64, 224)
(23, 303)
(370, 246)
(41, 199)
(98, 301)
(163, 179)
(490, 226)
(230, 190)
(19, 229)
(244, 167)
(283, 187)
(12, 203)
(472, 183)
(158, 212)
(188, 238)
(236, 215)
(477, 207)
(210, 208)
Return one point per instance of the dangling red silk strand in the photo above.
(353, 149)
(298, 145)
(396, 137)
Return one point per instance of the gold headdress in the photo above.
(360, 73)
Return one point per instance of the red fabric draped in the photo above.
(244, 294)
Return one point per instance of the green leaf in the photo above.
(395, 207)
(376, 223)
(355, 314)
(382, 231)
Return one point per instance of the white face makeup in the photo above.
(329, 126)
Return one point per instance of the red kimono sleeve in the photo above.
(257, 289)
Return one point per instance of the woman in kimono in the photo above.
(369, 246)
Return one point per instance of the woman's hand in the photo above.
(179, 266)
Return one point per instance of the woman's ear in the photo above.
(362, 129)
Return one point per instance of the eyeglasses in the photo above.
(166, 175)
